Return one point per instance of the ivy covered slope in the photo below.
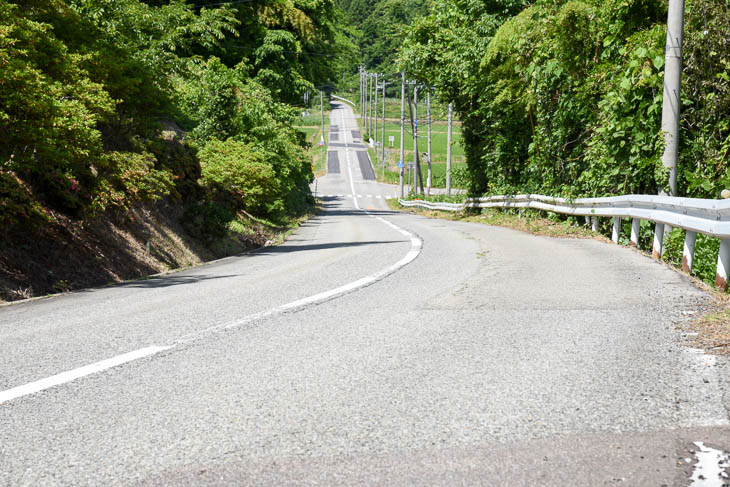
(564, 97)
(107, 106)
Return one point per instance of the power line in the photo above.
(223, 3)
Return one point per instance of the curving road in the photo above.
(373, 347)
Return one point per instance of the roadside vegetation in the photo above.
(564, 98)
(175, 109)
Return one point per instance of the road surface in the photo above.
(372, 347)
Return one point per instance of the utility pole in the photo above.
(366, 88)
(418, 179)
(360, 104)
(428, 116)
(672, 86)
(364, 99)
(321, 126)
(375, 116)
(402, 129)
(359, 86)
(374, 108)
(382, 138)
(671, 102)
(370, 103)
(448, 149)
(369, 77)
(321, 115)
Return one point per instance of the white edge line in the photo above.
(71, 375)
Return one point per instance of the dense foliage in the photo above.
(379, 27)
(105, 104)
(564, 97)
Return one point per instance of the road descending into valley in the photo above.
(372, 347)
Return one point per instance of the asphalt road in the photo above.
(373, 347)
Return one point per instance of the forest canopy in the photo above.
(105, 104)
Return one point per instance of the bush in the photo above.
(207, 221)
(238, 176)
(17, 205)
(125, 178)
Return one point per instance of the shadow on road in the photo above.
(331, 205)
(286, 248)
(354, 212)
(167, 281)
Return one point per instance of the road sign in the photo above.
(400, 164)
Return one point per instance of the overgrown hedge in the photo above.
(564, 97)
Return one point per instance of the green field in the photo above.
(438, 141)
(438, 175)
(439, 111)
(438, 151)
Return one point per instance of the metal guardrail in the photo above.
(343, 99)
(709, 217)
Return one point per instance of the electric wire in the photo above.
(232, 2)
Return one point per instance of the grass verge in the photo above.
(713, 329)
(525, 221)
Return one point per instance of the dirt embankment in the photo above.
(68, 254)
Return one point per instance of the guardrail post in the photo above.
(635, 228)
(588, 220)
(594, 224)
(723, 264)
(616, 229)
(658, 240)
(667, 230)
(688, 254)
